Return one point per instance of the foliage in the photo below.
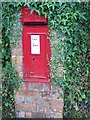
(10, 77)
(71, 23)
(10, 83)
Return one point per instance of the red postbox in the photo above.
(36, 47)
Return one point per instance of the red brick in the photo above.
(35, 115)
(17, 52)
(47, 110)
(56, 103)
(47, 87)
(26, 93)
(25, 107)
(22, 92)
(28, 115)
(38, 115)
(57, 115)
(59, 110)
(31, 93)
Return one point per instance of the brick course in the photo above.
(56, 102)
(28, 115)
(26, 93)
(25, 107)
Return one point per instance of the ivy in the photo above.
(70, 45)
(10, 77)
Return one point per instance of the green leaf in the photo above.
(83, 96)
(80, 99)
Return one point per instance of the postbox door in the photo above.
(36, 49)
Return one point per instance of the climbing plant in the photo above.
(10, 77)
(70, 45)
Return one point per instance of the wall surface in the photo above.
(39, 100)
(35, 100)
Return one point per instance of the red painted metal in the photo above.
(34, 17)
(36, 68)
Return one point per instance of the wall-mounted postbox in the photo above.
(36, 46)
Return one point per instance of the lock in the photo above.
(33, 59)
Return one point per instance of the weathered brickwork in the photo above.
(35, 100)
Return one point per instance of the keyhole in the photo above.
(32, 59)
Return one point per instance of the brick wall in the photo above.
(37, 100)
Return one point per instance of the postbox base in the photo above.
(37, 80)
